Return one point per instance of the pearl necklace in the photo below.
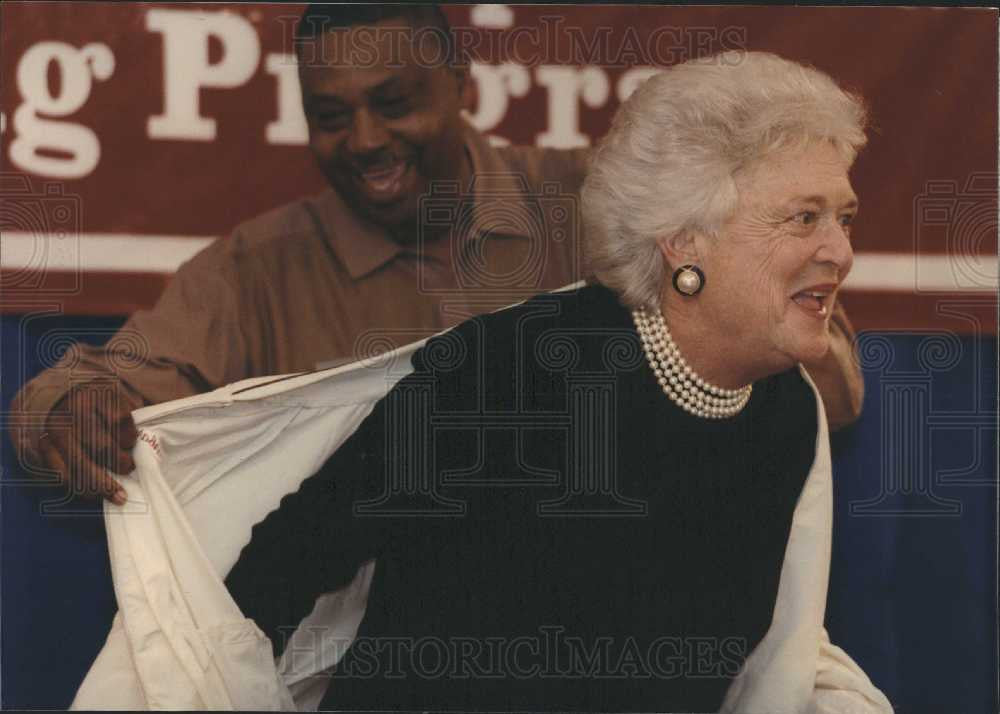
(678, 380)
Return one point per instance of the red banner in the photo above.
(134, 133)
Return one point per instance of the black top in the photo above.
(551, 531)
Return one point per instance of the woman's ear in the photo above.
(679, 249)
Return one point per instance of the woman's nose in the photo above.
(835, 247)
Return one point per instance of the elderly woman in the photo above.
(613, 497)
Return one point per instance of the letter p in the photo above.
(186, 66)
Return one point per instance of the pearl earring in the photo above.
(689, 280)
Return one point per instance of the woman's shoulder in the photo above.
(525, 351)
(575, 308)
(581, 305)
(578, 315)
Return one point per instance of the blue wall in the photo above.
(912, 596)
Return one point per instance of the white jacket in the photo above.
(211, 466)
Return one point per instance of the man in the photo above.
(425, 224)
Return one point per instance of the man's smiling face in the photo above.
(384, 119)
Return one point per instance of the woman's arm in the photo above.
(313, 542)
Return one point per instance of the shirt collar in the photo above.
(364, 246)
(500, 191)
(361, 245)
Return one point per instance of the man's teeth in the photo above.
(383, 178)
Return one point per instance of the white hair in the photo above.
(675, 148)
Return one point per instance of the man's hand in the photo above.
(99, 442)
(838, 373)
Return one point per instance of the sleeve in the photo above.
(795, 668)
(317, 538)
(315, 541)
(192, 341)
(841, 686)
(838, 375)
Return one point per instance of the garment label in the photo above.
(152, 441)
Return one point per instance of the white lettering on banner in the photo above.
(631, 80)
(290, 127)
(186, 67)
(489, 15)
(566, 87)
(495, 84)
(61, 149)
(33, 133)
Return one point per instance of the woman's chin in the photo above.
(814, 349)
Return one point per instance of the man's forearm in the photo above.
(33, 408)
(189, 343)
